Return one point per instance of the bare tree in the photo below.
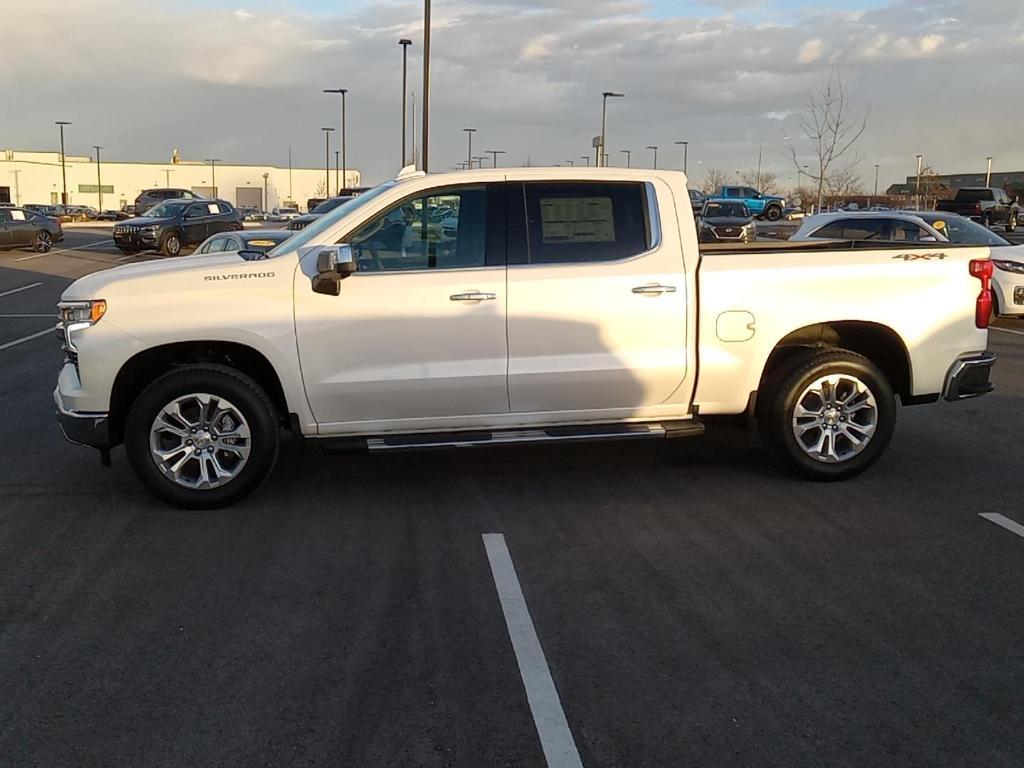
(321, 190)
(830, 125)
(769, 182)
(713, 181)
(844, 182)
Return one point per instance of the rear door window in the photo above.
(576, 222)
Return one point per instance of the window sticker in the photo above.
(212, 208)
(18, 215)
(577, 220)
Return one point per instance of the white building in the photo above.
(35, 177)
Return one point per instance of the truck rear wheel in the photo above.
(774, 213)
(831, 416)
(202, 436)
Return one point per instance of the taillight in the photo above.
(982, 269)
(977, 207)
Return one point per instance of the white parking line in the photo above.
(16, 342)
(19, 290)
(41, 314)
(1004, 522)
(65, 250)
(1007, 330)
(548, 716)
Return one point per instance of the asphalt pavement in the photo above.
(694, 604)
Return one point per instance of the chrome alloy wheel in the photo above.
(835, 418)
(200, 441)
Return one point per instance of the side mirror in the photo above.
(333, 264)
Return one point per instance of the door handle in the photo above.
(654, 290)
(473, 296)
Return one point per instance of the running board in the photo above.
(571, 434)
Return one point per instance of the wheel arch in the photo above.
(879, 343)
(144, 367)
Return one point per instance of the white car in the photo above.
(930, 227)
(284, 214)
(569, 304)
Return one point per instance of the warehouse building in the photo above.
(37, 177)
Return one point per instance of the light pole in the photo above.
(327, 162)
(213, 172)
(17, 188)
(920, 160)
(988, 173)
(586, 158)
(63, 171)
(572, 163)
(266, 176)
(426, 85)
(99, 180)
(686, 152)
(494, 153)
(629, 157)
(876, 180)
(167, 177)
(405, 80)
(604, 118)
(344, 160)
(337, 189)
(469, 154)
(653, 147)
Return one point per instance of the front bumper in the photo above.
(136, 240)
(88, 429)
(970, 377)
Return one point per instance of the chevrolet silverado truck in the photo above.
(551, 305)
(989, 205)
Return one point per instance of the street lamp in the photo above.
(337, 189)
(988, 173)
(653, 147)
(469, 153)
(876, 180)
(572, 163)
(266, 176)
(604, 118)
(479, 161)
(686, 151)
(629, 157)
(213, 172)
(327, 162)
(426, 85)
(405, 79)
(344, 163)
(494, 153)
(586, 158)
(63, 171)
(920, 160)
(99, 180)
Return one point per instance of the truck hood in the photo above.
(98, 285)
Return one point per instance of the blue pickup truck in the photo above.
(763, 206)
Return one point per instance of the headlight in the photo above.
(1009, 266)
(76, 316)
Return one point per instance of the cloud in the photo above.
(243, 83)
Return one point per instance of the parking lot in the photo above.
(695, 605)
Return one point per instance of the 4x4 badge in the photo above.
(920, 256)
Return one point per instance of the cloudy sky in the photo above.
(241, 79)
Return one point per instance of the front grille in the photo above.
(295, 226)
(727, 231)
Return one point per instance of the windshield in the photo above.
(964, 231)
(712, 210)
(321, 225)
(329, 205)
(164, 210)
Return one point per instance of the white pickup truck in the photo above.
(518, 305)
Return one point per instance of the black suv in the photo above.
(150, 197)
(176, 224)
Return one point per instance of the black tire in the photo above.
(1011, 223)
(774, 213)
(222, 382)
(170, 244)
(42, 242)
(800, 373)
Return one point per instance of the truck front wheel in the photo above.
(202, 436)
(831, 416)
(774, 213)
